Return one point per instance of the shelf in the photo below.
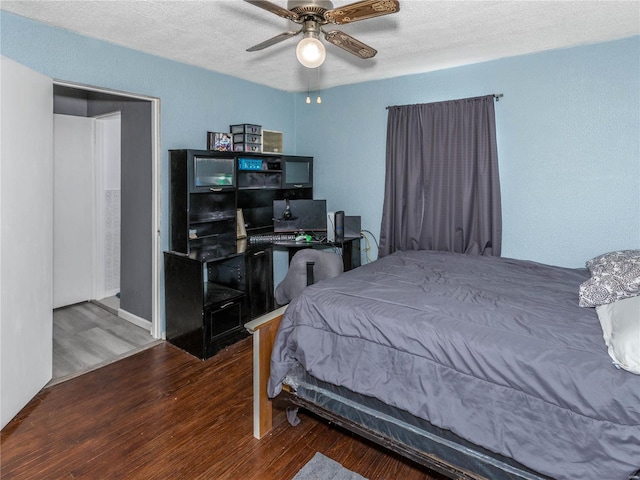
(207, 252)
(259, 179)
(215, 293)
(265, 187)
(203, 237)
(215, 217)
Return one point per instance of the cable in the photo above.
(367, 248)
(372, 236)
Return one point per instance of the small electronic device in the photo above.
(331, 226)
(352, 226)
(304, 238)
(339, 224)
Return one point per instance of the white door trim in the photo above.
(156, 327)
(104, 160)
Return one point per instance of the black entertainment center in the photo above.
(215, 282)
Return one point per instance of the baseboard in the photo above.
(136, 320)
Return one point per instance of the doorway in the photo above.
(124, 206)
(87, 158)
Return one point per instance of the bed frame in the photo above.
(264, 331)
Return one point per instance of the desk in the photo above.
(350, 249)
(211, 293)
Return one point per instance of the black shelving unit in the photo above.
(214, 283)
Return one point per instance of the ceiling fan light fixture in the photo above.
(310, 51)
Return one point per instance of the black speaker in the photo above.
(340, 224)
(352, 226)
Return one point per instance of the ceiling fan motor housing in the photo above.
(309, 7)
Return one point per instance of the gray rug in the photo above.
(323, 468)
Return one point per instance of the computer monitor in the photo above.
(290, 216)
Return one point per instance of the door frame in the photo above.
(156, 327)
(100, 290)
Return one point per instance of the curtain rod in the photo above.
(497, 97)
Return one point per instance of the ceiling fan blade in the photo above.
(361, 11)
(273, 8)
(273, 41)
(350, 44)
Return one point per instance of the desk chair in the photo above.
(306, 267)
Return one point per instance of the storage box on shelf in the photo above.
(247, 137)
(247, 147)
(246, 128)
(271, 141)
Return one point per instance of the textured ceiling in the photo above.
(424, 36)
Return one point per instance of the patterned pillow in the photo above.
(614, 276)
(607, 261)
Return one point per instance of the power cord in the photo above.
(367, 248)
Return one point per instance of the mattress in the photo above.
(438, 449)
(496, 351)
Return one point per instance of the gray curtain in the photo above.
(442, 190)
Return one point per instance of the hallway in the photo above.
(87, 336)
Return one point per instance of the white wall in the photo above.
(26, 235)
(73, 212)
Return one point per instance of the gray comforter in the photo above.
(496, 350)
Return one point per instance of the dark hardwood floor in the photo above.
(161, 414)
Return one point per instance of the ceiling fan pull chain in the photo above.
(318, 100)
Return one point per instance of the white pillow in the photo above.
(620, 323)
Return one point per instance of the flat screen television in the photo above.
(291, 216)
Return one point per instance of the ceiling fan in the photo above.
(313, 15)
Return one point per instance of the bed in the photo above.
(477, 367)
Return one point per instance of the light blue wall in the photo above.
(193, 100)
(568, 133)
(568, 129)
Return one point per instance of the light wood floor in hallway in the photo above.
(87, 336)
(164, 414)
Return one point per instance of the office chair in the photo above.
(306, 267)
